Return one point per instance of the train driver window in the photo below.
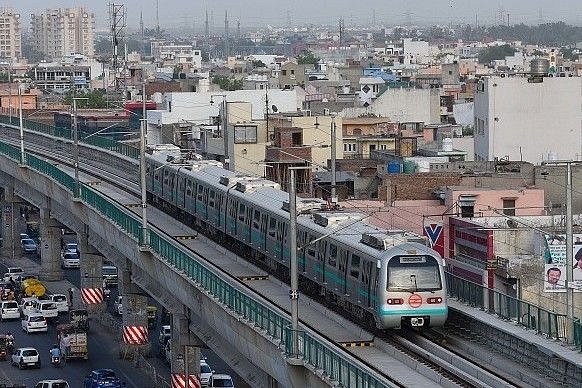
(355, 266)
(332, 260)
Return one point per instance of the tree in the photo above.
(258, 63)
(495, 52)
(307, 58)
(95, 98)
(226, 83)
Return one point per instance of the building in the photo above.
(58, 32)
(53, 76)
(10, 35)
(528, 118)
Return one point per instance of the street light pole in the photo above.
(77, 193)
(22, 155)
(569, 250)
(142, 173)
(293, 293)
(333, 157)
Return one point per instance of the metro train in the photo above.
(384, 278)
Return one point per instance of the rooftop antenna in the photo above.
(206, 27)
(157, 18)
(117, 23)
(141, 33)
(226, 37)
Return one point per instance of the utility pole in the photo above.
(293, 292)
(76, 148)
(142, 170)
(10, 93)
(22, 155)
(333, 158)
(569, 252)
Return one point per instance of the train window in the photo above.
(156, 175)
(212, 196)
(311, 246)
(343, 260)
(321, 250)
(241, 212)
(257, 219)
(301, 238)
(232, 208)
(166, 177)
(355, 266)
(366, 265)
(332, 260)
(285, 226)
(189, 188)
(206, 195)
(181, 185)
(414, 276)
(280, 231)
(272, 227)
(200, 191)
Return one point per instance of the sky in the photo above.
(251, 13)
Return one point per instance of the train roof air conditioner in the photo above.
(336, 219)
(306, 205)
(391, 238)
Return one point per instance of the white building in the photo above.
(530, 121)
(10, 35)
(57, 32)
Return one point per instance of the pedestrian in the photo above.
(71, 297)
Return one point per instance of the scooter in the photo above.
(56, 361)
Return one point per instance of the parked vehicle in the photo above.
(32, 322)
(102, 378)
(80, 319)
(9, 310)
(72, 341)
(28, 245)
(23, 357)
(220, 380)
(13, 273)
(205, 373)
(52, 384)
(70, 260)
(27, 305)
(71, 248)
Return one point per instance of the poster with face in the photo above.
(555, 278)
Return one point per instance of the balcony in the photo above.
(288, 154)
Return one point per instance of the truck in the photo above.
(80, 319)
(73, 342)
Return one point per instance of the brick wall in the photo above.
(401, 187)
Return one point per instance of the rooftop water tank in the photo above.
(539, 66)
(394, 167)
(409, 167)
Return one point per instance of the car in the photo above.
(109, 274)
(71, 247)
(23, 236)
(13, 273)
(27, 304)
(52, 384)
(70, 260)
(102, 378)
(119, 305)
(28, 245)
(220, 380)
(60, 300)
(205, 373)
(33, 321)
(47, 308)
(9, 310)
(165, 334)
(23, 357)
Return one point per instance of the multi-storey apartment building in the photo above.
(10, 34)
(62, 31)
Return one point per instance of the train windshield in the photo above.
(413, 276)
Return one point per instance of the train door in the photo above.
(264, 232)
(219, 205)
(285, 242)
(241, 220)
(188, 199)
(367, 273)
(272, 247)
(332, 266)
(343, 263)
(321, 255)
(256, 237)
(181, 194)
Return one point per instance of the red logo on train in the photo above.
(415, 300)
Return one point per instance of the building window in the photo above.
(245, 134)
(509, 207)
(283, 72)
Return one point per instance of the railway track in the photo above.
(435, 362)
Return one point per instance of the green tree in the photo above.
(495, 52)
(307, 58)
(258, 63)
(95, 98)
(227, 83)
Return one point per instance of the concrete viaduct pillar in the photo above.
(50, 249)
(11, 223)
(185, 346)
(135, 319)
(91, 270)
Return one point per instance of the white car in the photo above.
(165, 334)
(52, 384)
(60, 300)
(32, 322)
(71, 247)
(13, 273)
(27, 305)
(47, 308)
(9, 310)
(23, 357)
(205, 373)
(109, 274)
(70, 260)
(221, 381)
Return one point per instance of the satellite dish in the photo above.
(274, 108)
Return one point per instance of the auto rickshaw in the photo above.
(152, 312)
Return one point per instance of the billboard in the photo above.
(555, 263)
(436, 236)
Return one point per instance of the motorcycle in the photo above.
(56, 361)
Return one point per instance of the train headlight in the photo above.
(435, 300)
(393, 301)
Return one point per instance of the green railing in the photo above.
(324, 357)
(543, 321)
(66, 133)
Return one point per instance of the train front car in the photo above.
(411, 287)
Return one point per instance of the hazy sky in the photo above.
(275, 12)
